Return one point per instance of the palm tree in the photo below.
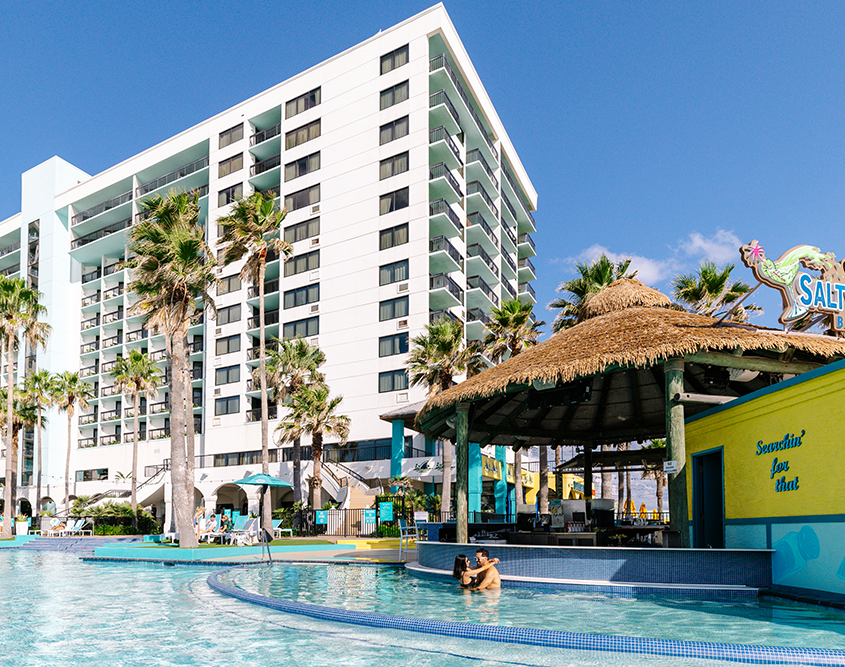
(709, 291)
(19, 312)
(312, 412)
(250, 229)
(172, 270)
(592, 279)
(70, 391)
(136, 374)
(39, 391)
(511, 329)
(437, 356)
(292, 364)
(24, 415)
(656, 473)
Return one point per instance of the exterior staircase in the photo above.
(75, 545)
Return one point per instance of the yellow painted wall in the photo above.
(816, 407)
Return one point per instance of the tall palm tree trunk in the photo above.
(182, 502)
(8, 499)
(266, 510)
(296, 461)
(519, 497)
(606, 476)
(38, 472)
(631, 510)
(660, 478)
(135, 429)
(67, 459)
(558, 477)
(317, 455)
(190, 447)
(544, 479)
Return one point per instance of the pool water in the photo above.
(394, 591)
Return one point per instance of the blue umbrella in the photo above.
(264, 481)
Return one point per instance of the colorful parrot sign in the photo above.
(801, 292)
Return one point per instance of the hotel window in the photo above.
(227, 375)
(302, 328)
(92, 475)
(302, 296)
(394, 236)
(227, 406)
(303, 198)
(302, 263)
(392, 381)
(390, 61)
(227, 196)
(393, 273)
(398, 164)
(393, 309)
(394, 95)
(302, 166)
(231, 135)
(393, 201)
(302, 103)
(229, 315)
(391, 345)
(302, 134)
(393, 130)
(228, 284)
(227, 345)
(302, 230)
(230, 166)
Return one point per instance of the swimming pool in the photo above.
(63, 611)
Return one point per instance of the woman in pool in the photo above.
(466, 575)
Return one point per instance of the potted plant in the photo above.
(21, 524)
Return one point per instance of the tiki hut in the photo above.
(631, 371)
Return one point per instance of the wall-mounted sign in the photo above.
(670, 467)
(369, 516)
(322, 517)
(385, 511)
(801, 292)
(783, 482)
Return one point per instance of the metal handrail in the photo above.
(102, 207)
(440, 97)
(476, 155)
(477, 315)
(509, 206)
(440, 315)
(264, 135)
(440, 243)
(270, 317)
(442, 134)
(509, 288)
(477, 282)
(442, 171)
(518, 192)
(117, 290)
(477, 250)
(509, 260)
(442, 206)
(113, 340)
(10, 248)
(91, 275)
(101, 233)
(254, 414)
(116, 316)
(91, 322)
(525, 263)
(112, 268)
(175, 175)
(475, 188)
(526, 287)
(526, 238)
(442, 281)
(477, 219)
(265, 165)
(270, 286)
(510, 234)
(89, 347)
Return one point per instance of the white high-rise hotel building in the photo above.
(406, 202)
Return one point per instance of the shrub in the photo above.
(388, 531)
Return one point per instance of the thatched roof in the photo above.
(622, 351)
(622, 294)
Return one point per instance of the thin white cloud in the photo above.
(721, 248)
(649, 271)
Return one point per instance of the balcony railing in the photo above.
(477, 251)
(137, 334)
(108, 415)
(526, 287)
(441, 206)
(476, 155)
(89, 347)
(7, 250)
(270, 286)
(475, 188)
(158, 355)
(86, 442)
(440, 315)
(109, 366)
(477, 315)
(88, 419)
(441, 61)
(130, 412)
(109, 391)
(91, 322)
(252, 352)
(117, 290)
(174, 175)
(477, 219)
(526, 238)
(101, 208)
(264, 135)
(509, 233)
(196, 373)
(525, 263)
(111, 341)
(159, 408)
(509, 260)
(91, 299)
(116, 316)
(443, 171)
(509, 288)
(195, 346)
(270, 317)
(265, 165)
(440, 97)
(159, 433)
(439, 243)
(518, 192)
(254, 415)
(130, 437)
(476, 282)
(91, 275)
(12, 269)
(112, 268)
(88, 371)
(101, 233)
(442, 134)
(509, 206)
(442, 281)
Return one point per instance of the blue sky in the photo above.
(667, 132)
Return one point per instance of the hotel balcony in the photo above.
(479, 200)
(442, 184)
(115, 316)
(112, 269)
(527, 293)
(108, 366)
(109, 391)
(508, 266)
(91, 418)
(110, 415)
(108, 230)
(130, 437)
(254, 415)
(101, 208)
(526, 270)
(94, 274)
(158, 355)
(443, 221)
(508, 211)
(89, 371)
(526, 246)
(253, 352)
(137, 335)
(91, 322)
(271, 294)
(444, 292)
(129, 413)
(443, 113)
(266, 173)
(523, 214)
(440, 315)
(508, 291)
(159, 433)
(87, 348)
(267, 141)
(114, 292)
(160, 408)
(443, 257)
(113, 341)
(477, 320)
(479, 231)
(86, 442)
(480, 294)
(182, 173)
(271, 323)
(479, 263)
(508, 239)
(442, 147)
(479, 170)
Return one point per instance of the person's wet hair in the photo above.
(460, 567)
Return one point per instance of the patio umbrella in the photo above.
(264, 481)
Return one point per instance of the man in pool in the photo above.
(489, 579)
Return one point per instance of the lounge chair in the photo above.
(278, 531)
(406, 534)
(78, 529)
(247, 534)
(56, 528)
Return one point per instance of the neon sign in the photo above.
(801, 292)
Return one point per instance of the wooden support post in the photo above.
(462, 472)
(676, 449)
(588, 480)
